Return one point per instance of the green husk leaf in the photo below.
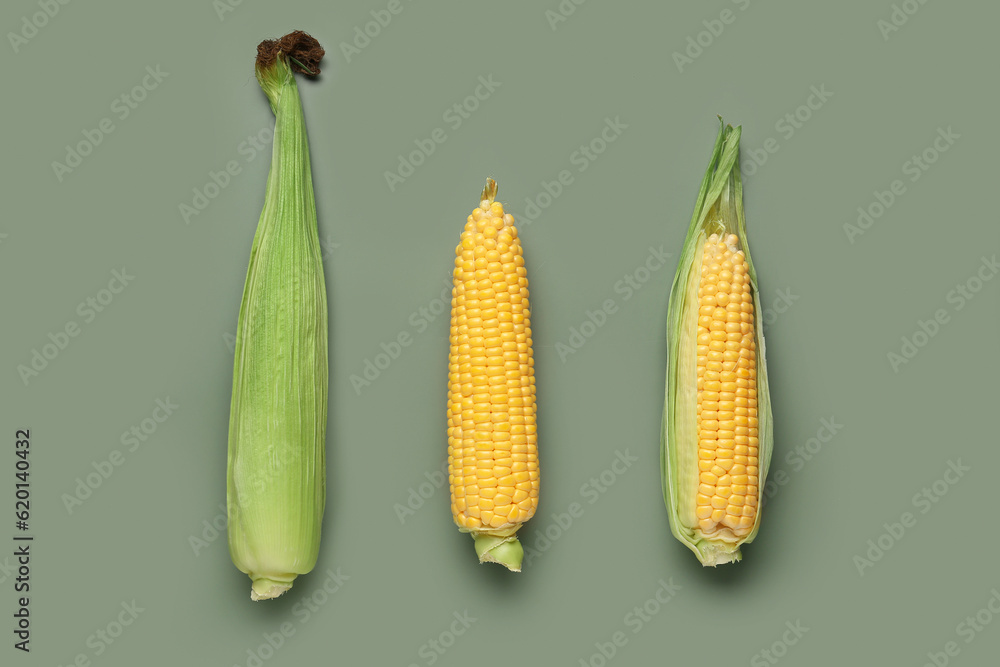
(276, 484)
(719, 209)
(506, 551)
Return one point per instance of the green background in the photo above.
(165, 335)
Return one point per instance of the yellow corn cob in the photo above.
(717, 436)
(726, 502)
(492, 452)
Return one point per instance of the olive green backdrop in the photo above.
(879, 539)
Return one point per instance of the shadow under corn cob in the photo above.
(717, 435)
(276, 483)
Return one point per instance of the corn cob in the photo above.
(492, 453)
(717, 435)
(277, 429)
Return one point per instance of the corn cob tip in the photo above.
(489, 193)
(302, 51)
(268, 589)
(711, 554)
(506, 551)
(726, 126)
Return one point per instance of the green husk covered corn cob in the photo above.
(276, 484)
(716, 437)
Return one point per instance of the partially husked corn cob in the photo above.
(492, 442)
(717, 433)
